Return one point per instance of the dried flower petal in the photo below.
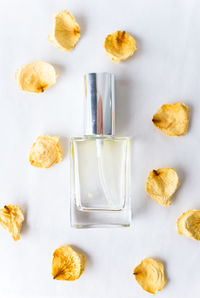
(172, 119)
(67, 263)
(119, 46)
(66, 31)
(150, 275)
(45, 152)
(161, 185)
(36, 76)
(11, 219)
(188, 224)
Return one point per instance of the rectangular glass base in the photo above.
(100, 177)
(99, 219)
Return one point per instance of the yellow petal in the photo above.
(188, 224)
(11, 219)
(45, 152)
(150, 275)
(119, 46)
(36, 76)
(67, 263)
(161, 184)
(66, 31)
(172, 119)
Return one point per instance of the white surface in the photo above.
(164, 69)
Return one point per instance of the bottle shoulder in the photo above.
(99, 137)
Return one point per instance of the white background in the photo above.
(165, 69)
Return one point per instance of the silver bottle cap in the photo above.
(99, 104)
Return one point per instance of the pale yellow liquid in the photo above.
(100, 171)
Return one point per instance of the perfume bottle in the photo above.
(99, 161)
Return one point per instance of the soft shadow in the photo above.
(181, 175)
(123, 104)
(190, 117)
(138, 52)
(82, 23)
(25, 225)
(139, 208)
(88, 258)
(64, 143)
(59, 68)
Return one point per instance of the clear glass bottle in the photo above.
(100, 163)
